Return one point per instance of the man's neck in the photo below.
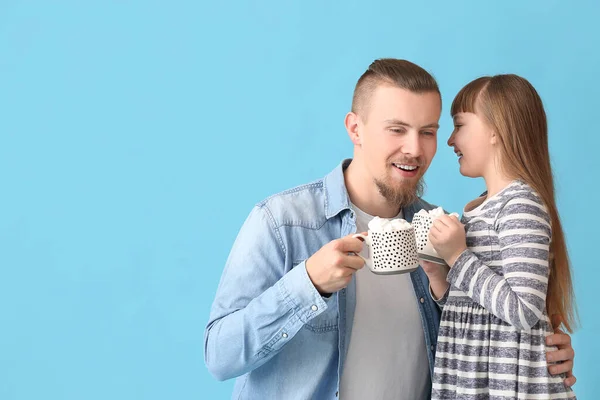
(365, 194)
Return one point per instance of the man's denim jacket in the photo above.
(268, 325)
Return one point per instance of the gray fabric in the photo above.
(387, 358)
(491, 343)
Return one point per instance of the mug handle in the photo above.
(367, 241)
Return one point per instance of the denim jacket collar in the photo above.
(336, 195)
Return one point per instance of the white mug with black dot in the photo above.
(391, 246)
(422, 222)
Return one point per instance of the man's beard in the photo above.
(404, 194)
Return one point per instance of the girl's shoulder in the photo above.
(520, 206)
(520, 193)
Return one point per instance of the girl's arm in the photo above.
(519, 295)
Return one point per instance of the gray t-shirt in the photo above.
(387, 357)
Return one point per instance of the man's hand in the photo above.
(437, 277)
(448, 238)
(564, 355)
(331, 268)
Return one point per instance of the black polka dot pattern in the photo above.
(393, 251)
(422, 225)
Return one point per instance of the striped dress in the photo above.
(491, 342)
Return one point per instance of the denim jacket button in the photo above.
(314, 308)
(422, 300)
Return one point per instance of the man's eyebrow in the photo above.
(402, 123)
(394, 121)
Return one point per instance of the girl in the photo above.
(509, 267)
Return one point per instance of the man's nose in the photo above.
(412, 145)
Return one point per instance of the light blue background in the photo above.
(135, 136)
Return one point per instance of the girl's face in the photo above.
(473, 141)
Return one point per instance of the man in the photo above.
(295, 315)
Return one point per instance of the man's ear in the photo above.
(352, 122)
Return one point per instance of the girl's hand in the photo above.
(447, 235)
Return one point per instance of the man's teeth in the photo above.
(406, 167)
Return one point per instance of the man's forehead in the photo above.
(411, 113)
(395, 95)
(394, 103)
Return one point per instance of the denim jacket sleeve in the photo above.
(258, 307)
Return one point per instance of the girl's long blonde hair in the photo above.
(512, 107)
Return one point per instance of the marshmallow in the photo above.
(378, 224)
(435, 213)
